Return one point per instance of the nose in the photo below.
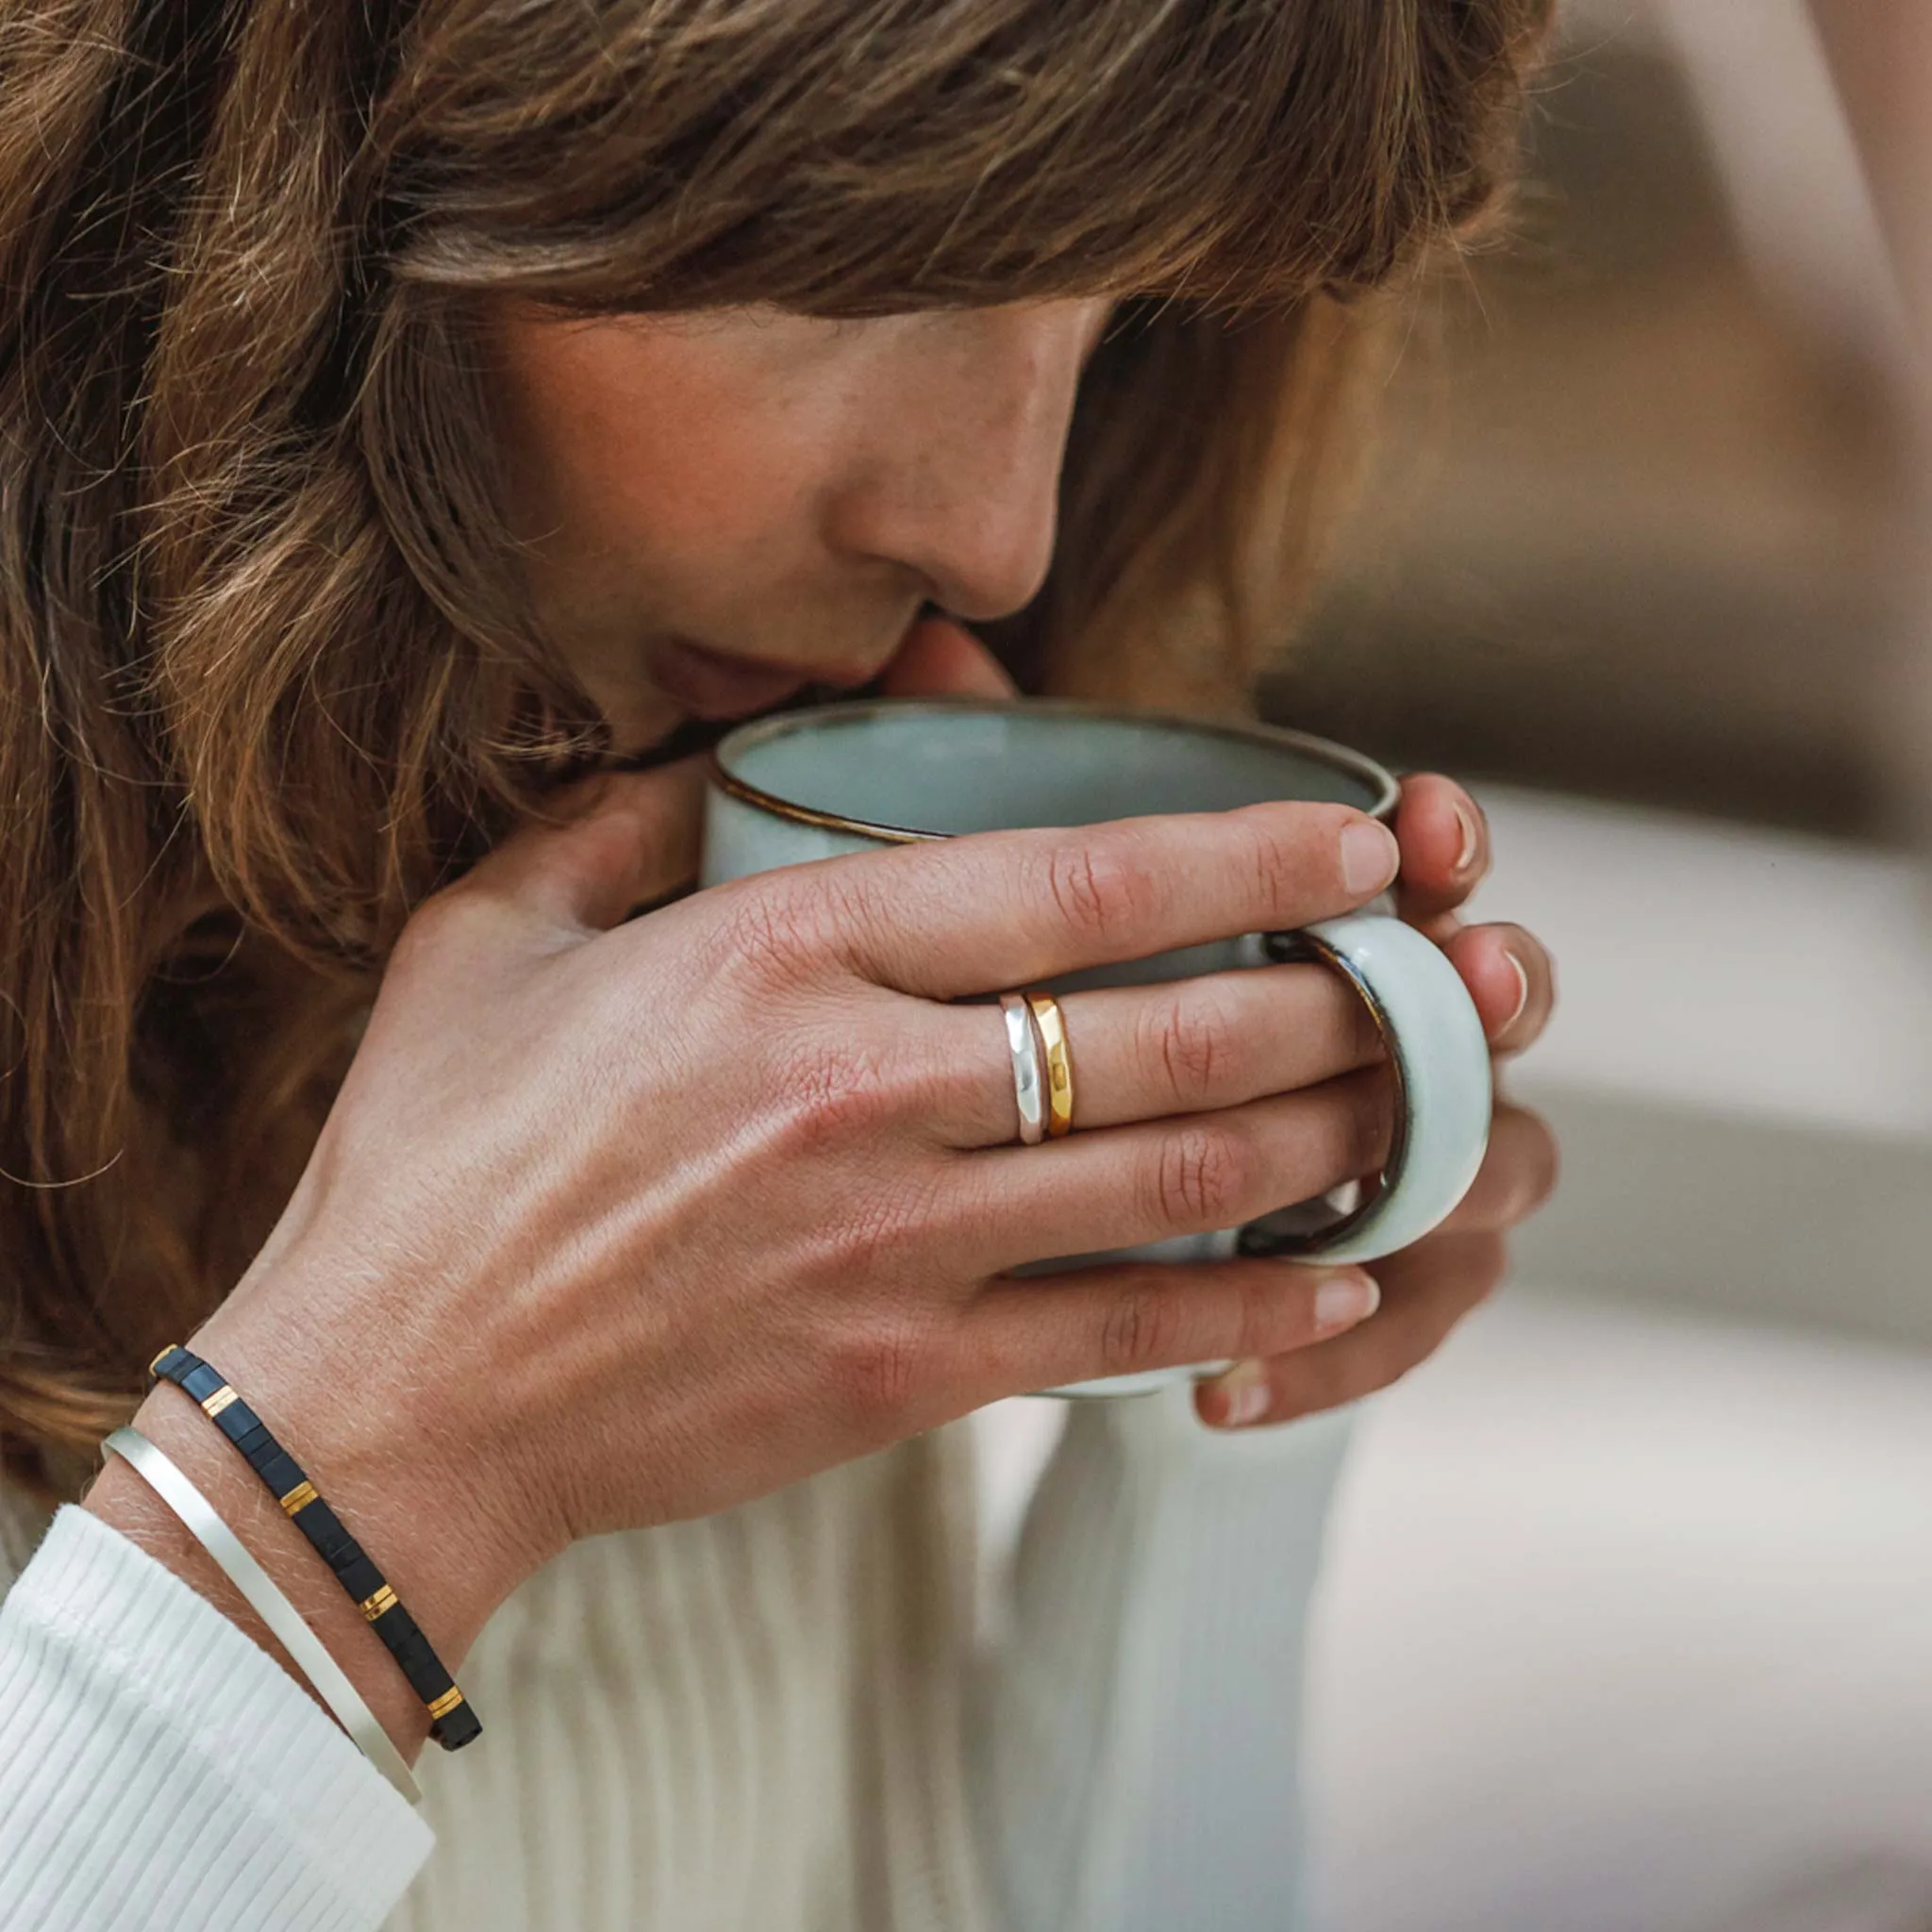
(962, 486)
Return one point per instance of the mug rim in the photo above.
(1324, 751)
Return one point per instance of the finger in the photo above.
(1425, 1290)
(1127, 1318)
(953, 916)
(1143, 1053)
(625, 838)
(1445, 847)
(1513, 980)
(942, 658)
(1518, 1175)
(1152, 1181)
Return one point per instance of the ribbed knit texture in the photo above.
(769, 1721)
(154, 1771)
(745, 1724)
(1135, 1741)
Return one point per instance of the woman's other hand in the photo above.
(1444, 840)
(1427, 1288)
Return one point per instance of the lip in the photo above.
(720, 687)
(710, 685)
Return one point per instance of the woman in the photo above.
(422, 426)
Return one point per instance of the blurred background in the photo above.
(1626, 1621)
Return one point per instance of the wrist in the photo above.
(393, 1477)
(403, 1479)
(128, 1504)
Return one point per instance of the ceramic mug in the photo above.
(849, 778)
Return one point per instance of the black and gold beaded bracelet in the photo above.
(452, 1722)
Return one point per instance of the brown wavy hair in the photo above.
(266, 677)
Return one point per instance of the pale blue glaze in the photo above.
(953, 767)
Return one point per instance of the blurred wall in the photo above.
(1881, 58)
(1639, 525)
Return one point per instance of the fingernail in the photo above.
(1244, 1394)
(1522, 989)
(1343, 1300)
(1370, 856)
(1471, 836)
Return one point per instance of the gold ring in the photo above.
(1060, 1064)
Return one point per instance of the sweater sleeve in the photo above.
(1134, 1757)
(159, 1769)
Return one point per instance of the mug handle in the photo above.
(1441, 1061)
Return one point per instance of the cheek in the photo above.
(628, 440)
(677, 494)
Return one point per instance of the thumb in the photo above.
(942, 658)
(627, 841)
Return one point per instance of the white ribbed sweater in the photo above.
(776, 1719)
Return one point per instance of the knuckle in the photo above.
(871, 1071)
(878, 1231)
(1273, 865)
(1361, 1364)
(604, 843)
(836, 1091)
(1279, 851)
(1202, 1178)
(1406, 1346)
(773, 929)
(1193, 1041)
(1143, 1330)
(881, 1367)
(1098, 889)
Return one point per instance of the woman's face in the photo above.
(720, 507)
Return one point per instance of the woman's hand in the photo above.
(616, 1221)
(1428, 1288)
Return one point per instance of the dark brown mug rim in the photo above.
(1304, 745)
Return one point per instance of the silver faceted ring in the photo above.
(1029, 1072)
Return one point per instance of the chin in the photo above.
(644, 723)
